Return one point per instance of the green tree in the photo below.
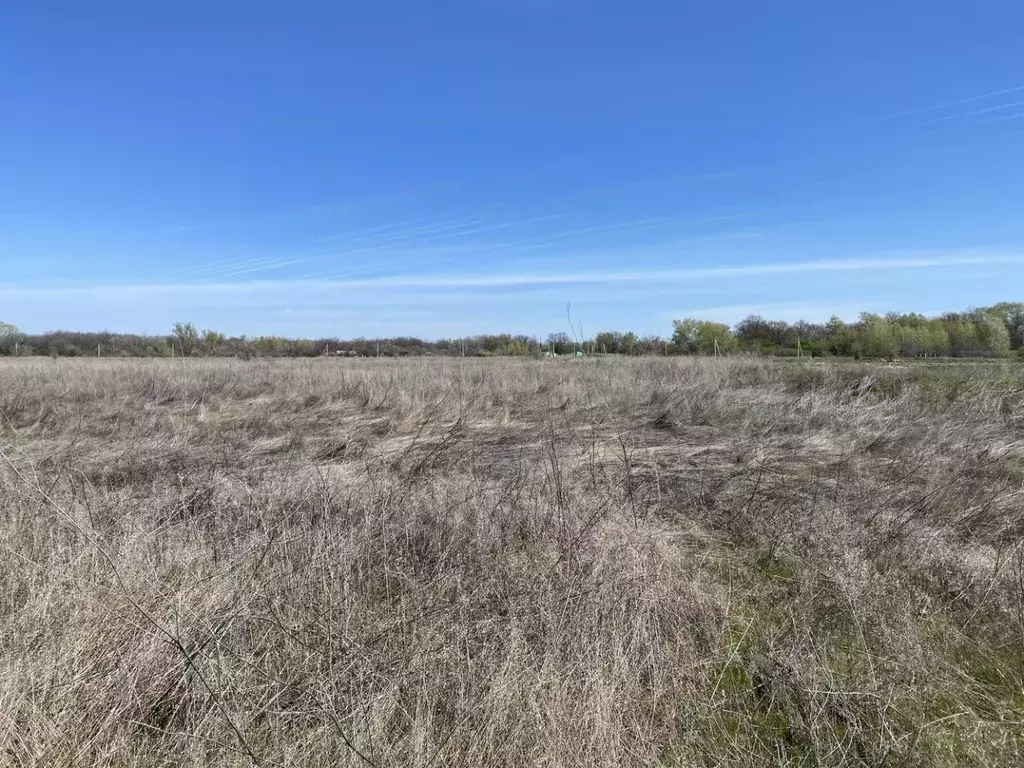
(911, 341)
(10, 337)
(701, 337)
(185, 337)
(712, 337)
(964, 339)
(270, 345)
(838, 337)
(937, 339)
(212, 341)
(876, 337)
(1012, 314)
(686, 335)
(993, 333)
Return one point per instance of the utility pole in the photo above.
(378, 348)
(98, 350)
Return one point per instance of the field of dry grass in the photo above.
(642, 562)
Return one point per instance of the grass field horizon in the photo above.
(465, 562)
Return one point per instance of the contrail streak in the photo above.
(630, 226)
(1014, 116)
(436, 227)
(243, 265)
(416, 221)
(947, 104)
(265, 266)
(972, 113)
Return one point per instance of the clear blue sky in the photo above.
(462, 166)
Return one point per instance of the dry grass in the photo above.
(467, 563)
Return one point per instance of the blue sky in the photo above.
(469, 166)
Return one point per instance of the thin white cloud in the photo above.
(670, 275)
(457, 281)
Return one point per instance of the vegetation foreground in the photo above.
(645, 562)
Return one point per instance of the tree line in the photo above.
(995, 331)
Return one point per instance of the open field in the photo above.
(639, 562)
